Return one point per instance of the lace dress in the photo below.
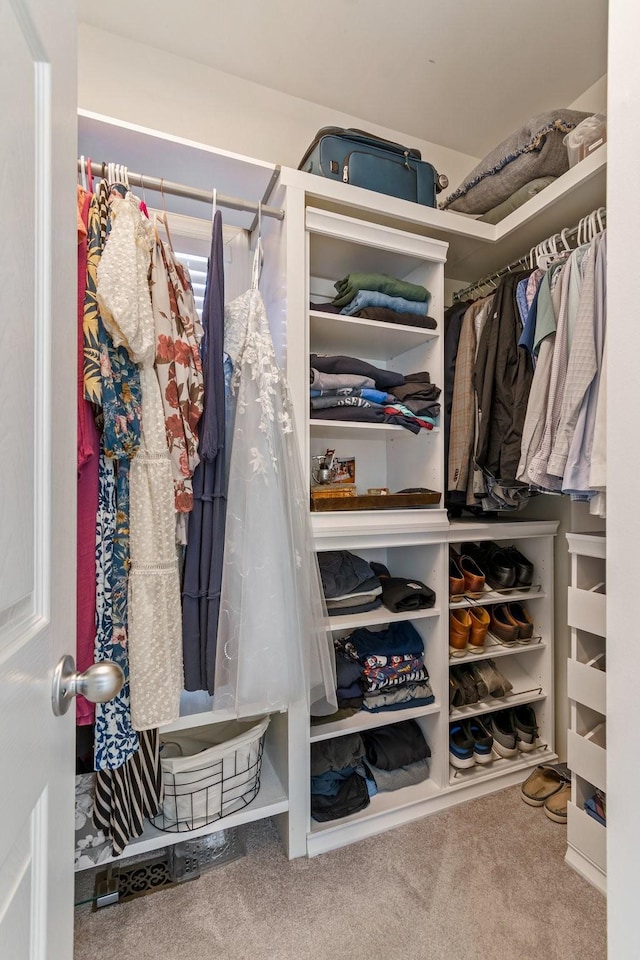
(155, 641)
(273, 646)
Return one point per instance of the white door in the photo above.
(37, 472)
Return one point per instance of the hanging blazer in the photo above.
(463, 407)
(502, 379)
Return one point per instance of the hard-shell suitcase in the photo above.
(359, 158)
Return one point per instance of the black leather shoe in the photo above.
(494, 561)
(524, 567)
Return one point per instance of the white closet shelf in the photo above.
(493, 651)
(271, 800)
(392, 800)
(494, 704)
(499, 767)
(346, 430)
(360, 529)
(492, 597)
(381, 615)
(369, 721)
(333, 333)
(500, 530)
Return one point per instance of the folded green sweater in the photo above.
(354, 282)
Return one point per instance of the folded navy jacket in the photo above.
(395, 640)
(343, 572)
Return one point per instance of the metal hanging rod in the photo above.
(492, 278)
(191, 193)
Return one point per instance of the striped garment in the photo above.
(124, 797)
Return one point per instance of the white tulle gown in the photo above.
(274, 647)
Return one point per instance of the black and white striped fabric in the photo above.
(125, 796)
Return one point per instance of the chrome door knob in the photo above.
(101, 682)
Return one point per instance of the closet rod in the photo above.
(191, 193)
(520, 262)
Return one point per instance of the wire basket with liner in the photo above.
(209, 772)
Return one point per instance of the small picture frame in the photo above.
(343, 470)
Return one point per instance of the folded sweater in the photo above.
(380, 282)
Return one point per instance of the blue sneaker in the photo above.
(481, 739)
(460, 748)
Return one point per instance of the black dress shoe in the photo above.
(495, 563)
(524, 567)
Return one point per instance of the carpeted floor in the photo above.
(484, 881)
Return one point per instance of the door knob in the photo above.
(101, 682)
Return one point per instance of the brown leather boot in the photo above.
(480, 620)
(459, 630)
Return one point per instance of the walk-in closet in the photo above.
(320, 385)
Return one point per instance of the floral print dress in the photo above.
(179, 371)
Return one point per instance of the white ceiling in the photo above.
(462, 73)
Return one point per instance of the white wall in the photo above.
(594, 100)
(137, 83)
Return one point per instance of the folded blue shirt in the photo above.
(372, 298)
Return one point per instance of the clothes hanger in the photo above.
(143, 202)
(83, 173)
(89, 175)
(258, 257)
(214, 204)
(163, 219)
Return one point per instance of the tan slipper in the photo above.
(543, 783)
(556, 806)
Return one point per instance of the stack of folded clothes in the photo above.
(376, 296)
(394, 675)
(418, 396)
(346, 388)
(349, 583)
(337, 790)
(396, 756)
(347, 771)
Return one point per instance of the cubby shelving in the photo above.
(586, 688)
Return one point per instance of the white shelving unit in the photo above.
(409, 542)
(586, 688)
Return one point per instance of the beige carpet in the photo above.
(484, 881)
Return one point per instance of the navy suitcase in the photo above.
(359, 158)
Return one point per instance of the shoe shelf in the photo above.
(586, 687)
(494, 650)
(497, 703)
(369, 721)
(489, 597)
(500, 767)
